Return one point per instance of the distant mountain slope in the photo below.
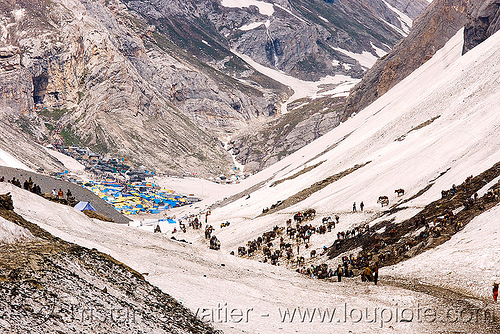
(301, 38)
(159, 81)
(441, 20)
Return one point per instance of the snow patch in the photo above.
(11, 233)
(366, 59)
(19, 13)
(9, 161)
(264, 7)
(301, 88)
(251, 26)
(71, 164)
(378, 50)
(322, 18)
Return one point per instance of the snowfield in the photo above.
(206, 281)
(264, 7)
(437, 127)
(442, 118)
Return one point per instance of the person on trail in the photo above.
(339, 273)
(361, 205)
(60, 194)
(354, 207)
(54, 192)
(375, 273)
(367, 274)
(495, 291)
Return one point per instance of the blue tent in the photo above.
(84, 206)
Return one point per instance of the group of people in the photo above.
(455, 189)
(60, 194)
(305, 215)
(28, 184)
(361, 206)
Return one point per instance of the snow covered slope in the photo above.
(443, 117)
(8, 160)
(435, 128)
(206, 280)
(468, 263)
(11, 233)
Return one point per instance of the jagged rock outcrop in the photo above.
(15, 88)
(441, 20)
(483, 22)
(295, 36)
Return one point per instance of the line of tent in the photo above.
(135, 198)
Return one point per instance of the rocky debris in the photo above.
(483, 22)
(49, 285)
(6, 202)
(441, 21)
(97, 215)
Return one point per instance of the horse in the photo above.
(400, 192)
(383, 200)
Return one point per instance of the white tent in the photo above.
(84, 206)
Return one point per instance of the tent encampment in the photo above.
(84, 206)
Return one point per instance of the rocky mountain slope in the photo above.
(96, 81)
(483, 22)
(298, 37)
(49, 285)
(441, 20)
(269, 143)
(157, 81)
